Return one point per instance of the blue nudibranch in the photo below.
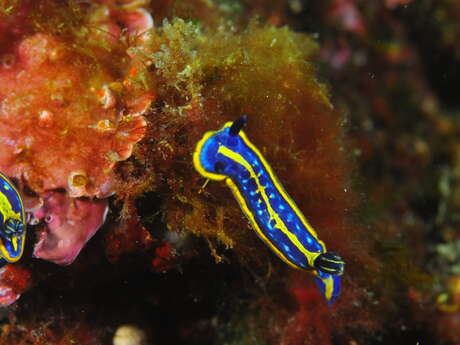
(228, 155)
(12, 222)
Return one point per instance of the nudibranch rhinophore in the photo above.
(228, 155)
(12, 222)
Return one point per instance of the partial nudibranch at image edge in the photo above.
(228, 155)
(12, 222)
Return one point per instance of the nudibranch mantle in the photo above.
(228, 155)
(12, 222)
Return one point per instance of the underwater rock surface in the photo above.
(102, 104)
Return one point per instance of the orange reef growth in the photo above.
(63, 124)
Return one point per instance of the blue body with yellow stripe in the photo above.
(228, 155)
(12, 222)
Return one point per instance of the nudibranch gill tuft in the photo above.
(12, 222)
(228, 155)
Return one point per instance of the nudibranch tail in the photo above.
(228, 155)
(329, 286)
(12, 222)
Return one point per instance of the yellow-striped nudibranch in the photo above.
(228, 155)
(12, 222)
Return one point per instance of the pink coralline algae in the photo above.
(14, 280)
(347, 16)
(395, 3)
(70, 224)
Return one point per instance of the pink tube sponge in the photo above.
(70, 223)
